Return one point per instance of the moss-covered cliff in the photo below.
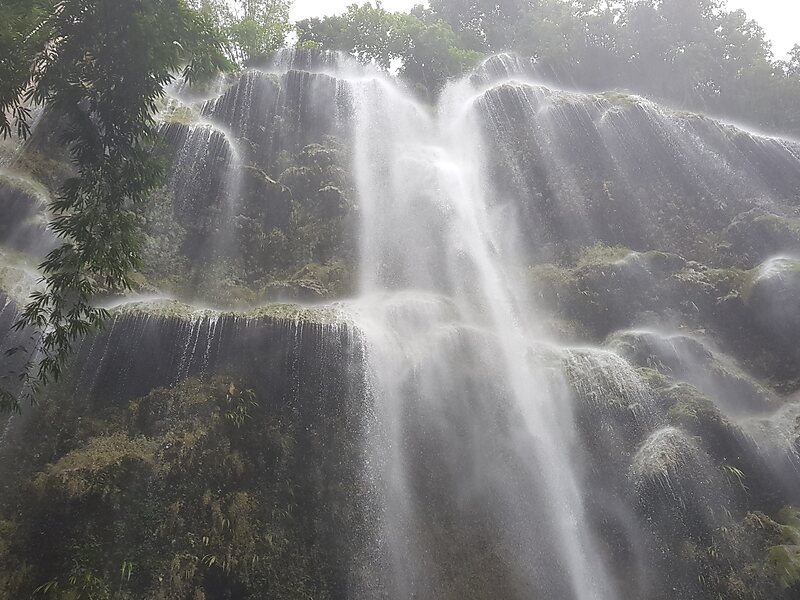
(218, 440)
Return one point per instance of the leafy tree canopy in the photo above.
(250, 28)
(100, 66)
(425, 49)
(691, 53)
(22, 37)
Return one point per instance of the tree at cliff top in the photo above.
(250, 28)
(22, 36)
(101, 66)
(425, 48)
(690, 53)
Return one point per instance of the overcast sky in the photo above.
(779, 18)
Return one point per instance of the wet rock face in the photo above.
(206, 488)
(334, 452)
(213, 454)
(259, 191)
(259, 188)
(608, 290)
(155, 345)
(274, 113)
(619, 170)
(661, 474)
(688, 359)
(757, 235)
(774, 299)
(23, 217)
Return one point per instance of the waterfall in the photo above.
(453, 348)
(550, 372)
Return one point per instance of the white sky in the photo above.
(303, 9)
(779, 18)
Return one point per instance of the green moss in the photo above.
(607, 288)
(600, 254)
(620, 99)
(654, 379)
(18, 180)
(179, 113)
(729, 284)
(770, 270)
(48, 169)
(315, 282)
(789, 516)
(757, 234)
(778, 540)
(292, 238)
(96, 467)
(18, 279)
(687, 406)
(785, 563)
(199, 491)
(172, 309)
(778, 223)
(662, 261)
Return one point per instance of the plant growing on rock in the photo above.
(100, 66)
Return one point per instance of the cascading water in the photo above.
(501, 408)
(440, 311)
(467, 404)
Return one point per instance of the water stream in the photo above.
(500, 459)
(452, 335)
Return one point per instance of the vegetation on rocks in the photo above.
(676, 52)
(123, 54)
(220, 449)
(205, 490)
(291, 238)
(611, 289)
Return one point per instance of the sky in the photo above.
(303, 9)
(779, 18)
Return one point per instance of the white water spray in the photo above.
(446, 319)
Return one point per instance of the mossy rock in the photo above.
(774, 295)
(172, 309)
(621, 99)
(18, 277)
(314, 282)
(785, 563)
(602, 255)
(203, 490)
(690, 359)
(789, 517)
(103, 466)
(664, 458)
(49, 166)
(24, 215)
(773, 307)
(605, 289)
(689, 408)
(758, 234)
(175, 111)
(26, 184)
(676, 485)
(611, 288)
(780, 539)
